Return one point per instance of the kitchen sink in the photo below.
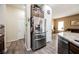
(77, 40)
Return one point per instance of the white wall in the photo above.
(21, 25)
(1, 14)
(14, 24)
(48, 18)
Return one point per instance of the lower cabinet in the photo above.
(73, 49)
(66, 47)
(1, 44)
(62, 45)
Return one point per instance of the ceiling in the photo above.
(59, 10)
(20, 6)
(62, 10)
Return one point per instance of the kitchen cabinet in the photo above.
(1, 39)
(68, 43)
(73, 49)
(62, 45)
(2, 44)
(37, 11)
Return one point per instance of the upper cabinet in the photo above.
(37, 11)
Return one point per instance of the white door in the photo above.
(61, 26)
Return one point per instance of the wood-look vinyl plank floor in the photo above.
(18, 47)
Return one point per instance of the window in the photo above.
(60, 25)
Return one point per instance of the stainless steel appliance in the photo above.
(38, 41)
(38, 36)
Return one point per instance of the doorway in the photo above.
(61, 26)
(15, 28)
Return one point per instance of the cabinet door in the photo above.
(1, 44)
(73, 49)
(62, 46)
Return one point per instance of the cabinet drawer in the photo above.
(1, 44)
(74, 48)
(1, 40)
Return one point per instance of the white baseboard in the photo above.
(28, 49)
(5, 50)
